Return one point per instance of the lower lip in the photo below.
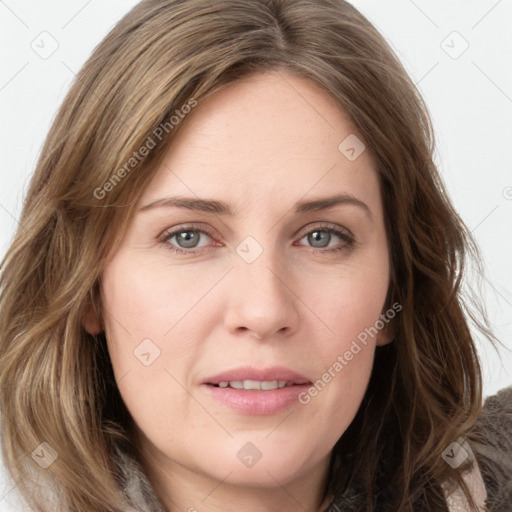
(258, 402)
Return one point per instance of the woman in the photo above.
(236, 281)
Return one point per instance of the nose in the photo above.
(261, 301)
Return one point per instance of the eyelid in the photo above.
(202, 228)
(328, 226)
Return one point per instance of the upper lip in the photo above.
(260, 374)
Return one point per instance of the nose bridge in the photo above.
(261, 301)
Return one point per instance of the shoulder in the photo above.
(491, 442)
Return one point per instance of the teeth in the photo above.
(265, 385)
(252, 384)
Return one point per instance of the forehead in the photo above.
(267, 137)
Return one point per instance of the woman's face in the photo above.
(257, 257)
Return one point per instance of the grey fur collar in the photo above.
(490, 440)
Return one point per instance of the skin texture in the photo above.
(260, 145)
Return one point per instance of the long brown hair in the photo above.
(56, 383)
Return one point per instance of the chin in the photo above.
(262, 463)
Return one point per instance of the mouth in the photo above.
(259, 385)
(257, 391)
(263, 379)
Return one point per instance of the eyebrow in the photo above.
(221, 208)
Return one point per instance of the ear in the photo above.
(92, 321)
(386, 334)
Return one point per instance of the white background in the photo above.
(469, 97)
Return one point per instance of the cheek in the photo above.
(349, 302)
(353, 315)
(347, 360)
(140, 307)
(353, 319)
(154, 324)
(143, 299)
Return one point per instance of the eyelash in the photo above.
(328, 228)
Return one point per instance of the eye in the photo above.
(184, 240)
(187, 239)
(322, 236)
